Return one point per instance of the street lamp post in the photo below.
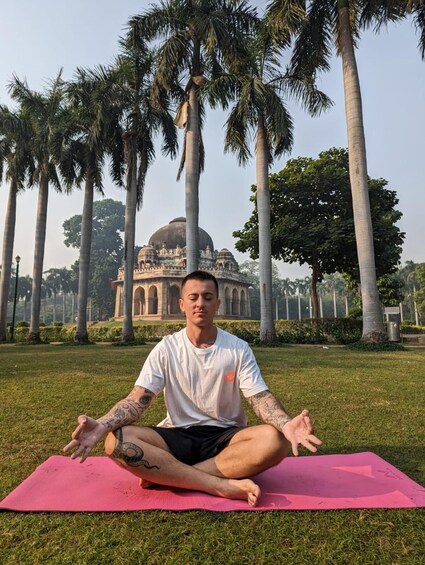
(12, 329)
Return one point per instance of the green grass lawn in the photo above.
(359, 402)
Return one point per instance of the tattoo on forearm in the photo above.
(128, 410)
(130, 453)
(268, 408)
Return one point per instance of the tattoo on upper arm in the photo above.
(269, 409)
(132, 454)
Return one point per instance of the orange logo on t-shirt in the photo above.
(230, 376)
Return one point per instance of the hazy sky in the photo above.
(39, 38)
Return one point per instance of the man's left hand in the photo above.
(299, 431)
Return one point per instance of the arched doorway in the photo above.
(243, 304)
(139, 304)
(153, 300)
(235, 303)
(173, 300)
(228, 302)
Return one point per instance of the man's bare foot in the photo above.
(243, 489)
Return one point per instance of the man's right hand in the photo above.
(85, 437)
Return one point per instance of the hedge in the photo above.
(337, 331)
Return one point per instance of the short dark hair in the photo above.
(200, 276)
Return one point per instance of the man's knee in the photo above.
(275, 445)
(113, 443)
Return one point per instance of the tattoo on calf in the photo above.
(130, 453)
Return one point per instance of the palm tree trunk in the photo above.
(267, 329)
(127, 334)
(314, 279)
(299, 305)
(81, 335)
(287, 306)
(373, 326)
(9, 236)
(63, 307)
(192, 182)
(40, 238)
(54, 306)
(334, 302)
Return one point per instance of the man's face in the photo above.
(199, 302)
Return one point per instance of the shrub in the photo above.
(410, 328)
(21, 334)
(355, 313)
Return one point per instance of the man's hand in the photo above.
(299, 431)
(85, 437)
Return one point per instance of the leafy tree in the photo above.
(46, 114)
(197, 40)
(312, 219)
(106, 250)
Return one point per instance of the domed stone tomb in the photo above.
(161, 266)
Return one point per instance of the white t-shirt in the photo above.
(202, 386)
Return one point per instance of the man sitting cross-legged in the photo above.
(203, 443)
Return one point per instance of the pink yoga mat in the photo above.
(319, 482)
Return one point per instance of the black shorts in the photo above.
(196, 443)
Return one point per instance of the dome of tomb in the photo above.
(174, 234)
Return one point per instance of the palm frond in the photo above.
(237, 136)
(284, 18)
(313, 45)
(419, 20)
(377, 13)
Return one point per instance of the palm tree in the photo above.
(335, 285)
(308, 292)
(259, 89)
(287, 289)
(24, 292)
(15, 152)
(91, 127)
(299, 285)
(321, 26)
(46, 292)
(54, 281)
(140, 118)
(46, 115)
(198, 39)
(66, 288)
(408, 274)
